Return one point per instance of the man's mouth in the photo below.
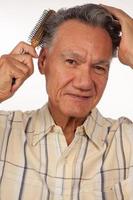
(80, 97)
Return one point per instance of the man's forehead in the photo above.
(75, 52)
(73, 28)
(78, 39)
(72, 23)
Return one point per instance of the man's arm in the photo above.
(125, 52)
(15, 68)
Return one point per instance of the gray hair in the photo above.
(91, 14)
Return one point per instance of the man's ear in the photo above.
(42, 60)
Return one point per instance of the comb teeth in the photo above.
(37, 34)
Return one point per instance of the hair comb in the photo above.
(38, 32)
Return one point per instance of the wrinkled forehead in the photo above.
(73, 27)
(74, 32)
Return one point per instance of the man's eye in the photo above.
(71, 61)
(100, 69)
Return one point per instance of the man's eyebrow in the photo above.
(102, 62)
(73, 54)
(82, 57)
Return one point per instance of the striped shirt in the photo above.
(37, 164)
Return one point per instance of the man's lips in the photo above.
(79, 96)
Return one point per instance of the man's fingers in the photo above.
(118, 13)
(18, 82)
(15, 68)
(14, 72)
(125, 52)
(23, 62)
(24, 48)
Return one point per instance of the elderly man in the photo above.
(67, 150)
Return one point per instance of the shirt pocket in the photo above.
(124, 189)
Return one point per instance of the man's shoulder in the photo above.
(105, 123)
(19, 114)
(109, 121)
(19, 122)
(120, 125)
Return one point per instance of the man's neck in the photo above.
(68, 124)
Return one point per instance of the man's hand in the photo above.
(125, 52)
(15, 68)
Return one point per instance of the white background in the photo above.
(17, 19)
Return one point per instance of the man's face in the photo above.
(76, 68)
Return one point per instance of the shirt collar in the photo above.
(43, 123)
(96, 127)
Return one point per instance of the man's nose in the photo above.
(83, 80)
